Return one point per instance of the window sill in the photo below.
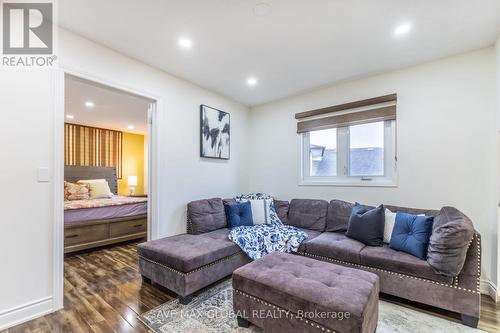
(349, 183)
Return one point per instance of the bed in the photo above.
(98, 222)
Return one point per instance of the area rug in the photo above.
(211, 311)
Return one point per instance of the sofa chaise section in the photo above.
(400, 274)
(462, 295)
(189, 262)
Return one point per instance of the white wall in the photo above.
(27, 113)
(497, 48)
(447, 143)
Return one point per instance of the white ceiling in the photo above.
(113, 109)
(301, 45)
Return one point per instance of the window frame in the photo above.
(389, 179)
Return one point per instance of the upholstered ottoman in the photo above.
(187, 263)
(288, 293)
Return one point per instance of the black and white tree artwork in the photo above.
(215, 134)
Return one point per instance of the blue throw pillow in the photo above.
(411, 234)
(239, 214)
(366, 224)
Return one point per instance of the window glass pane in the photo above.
(366, 149)
(323, 153)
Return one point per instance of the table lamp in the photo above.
(132, 182)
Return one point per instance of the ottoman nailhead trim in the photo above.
(292, 315)
(478, 263)
(193, 271)
(453, 285)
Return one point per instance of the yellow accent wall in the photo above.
(132, 163)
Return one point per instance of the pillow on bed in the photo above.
(88, 181)
(100, 190)
(74, 191)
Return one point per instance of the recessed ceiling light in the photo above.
(251, 81)
(70, 116)
(402, 29)
(262, 10)
(185, 43)
(89, 104)
(131, 127)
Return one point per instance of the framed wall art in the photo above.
(215, 136)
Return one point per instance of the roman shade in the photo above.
(354, 113)
(91, 146)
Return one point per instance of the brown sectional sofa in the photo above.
(188, 262)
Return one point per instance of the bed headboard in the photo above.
(76, 173)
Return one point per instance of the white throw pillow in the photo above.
(269, 204)
(258, 211)
(390, 220)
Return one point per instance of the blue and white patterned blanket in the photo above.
(258, 240)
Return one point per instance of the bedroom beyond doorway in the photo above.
(106, 173)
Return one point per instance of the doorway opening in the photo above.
(105, 174)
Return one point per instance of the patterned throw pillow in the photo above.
(270, 211)
(74, 191)
(261, 210)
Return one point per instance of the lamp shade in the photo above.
(132, 180)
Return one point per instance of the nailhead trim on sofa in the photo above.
(291, 314)
(189, 225)
(193, 271)
(454, 285)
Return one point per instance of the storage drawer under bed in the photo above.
(104, 232)
(86, 234)
(117, 229)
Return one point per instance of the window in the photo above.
(323, 153)
(351, 155)
(366, 149)
(350, 144)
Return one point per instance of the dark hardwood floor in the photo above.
(103, 293)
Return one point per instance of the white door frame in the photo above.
(58, 169)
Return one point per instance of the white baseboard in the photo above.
(25, 312)
(490, 289)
